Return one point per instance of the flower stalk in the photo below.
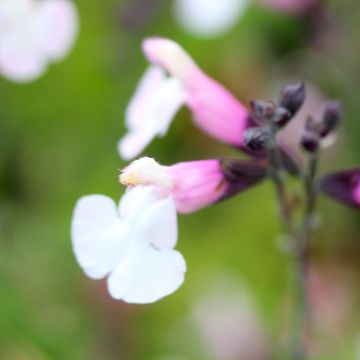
(276, 175)
(302, 329)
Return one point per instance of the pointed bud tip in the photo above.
(292, 97)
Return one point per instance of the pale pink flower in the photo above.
(195, 184)
(159, 96)
(34, 33)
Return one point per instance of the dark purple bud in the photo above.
(257, 139)
(330, 118)
(281, 117)
(262, 110)
(292, 97)
(343, 186)
(242, 174)
(310, 141)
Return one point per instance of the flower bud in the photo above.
(330, 118)
(310, 141)
(292, 97)
(281, 117)
(262, 110)
(257, 139)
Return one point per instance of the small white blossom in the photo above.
(133, 244)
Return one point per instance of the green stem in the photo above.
(300, 240)
(275, 172)
(302, 255)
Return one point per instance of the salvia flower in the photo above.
(343, 186)
(171, 81)
(34, 33)
(195, 184)
(133, 244)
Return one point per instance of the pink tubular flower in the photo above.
(343, 186)
(159, 96)
(195, 184)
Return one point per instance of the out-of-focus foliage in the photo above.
(58, 139)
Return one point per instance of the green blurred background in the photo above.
(58, 139)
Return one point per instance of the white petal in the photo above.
(136, 200)
(146, 275)
(98, 235)
(158, 224)
(152, 79)
(11, 10)
(133, 143)
(59, 21)
(151, 110)
(151, 269)
(208, 18)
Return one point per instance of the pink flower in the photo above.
(159, 96)
(343, 186)
(34, 33)
(195, 184)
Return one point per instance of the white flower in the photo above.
(133, 244)
(210, 18)
(33, 33)
(207, 18)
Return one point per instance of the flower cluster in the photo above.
(34, 33)
(134, 244)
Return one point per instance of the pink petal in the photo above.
(197, 184)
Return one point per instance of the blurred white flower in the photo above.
(207, 18)
(34, 33)
(133, 244)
